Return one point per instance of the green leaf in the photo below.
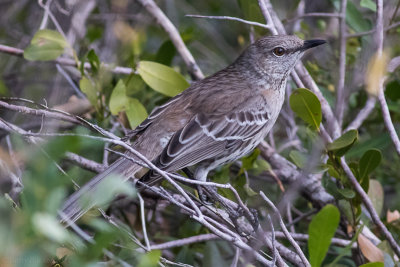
(45, 45)
(150, 259)
(135, 112)
(321, 230)
(373, 264)
(307, 106)
(89, 89)
(376, 194)
(106, 190)
(298, 158)
(347, 193)
(369, 161)
(161, 78)
(93, 60)
(118, 98)
(248, 161)
(166, 53)
(49, 226)
(341, 145)
(368, 4)
(119, 101)
(213, 256)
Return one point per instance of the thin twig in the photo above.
(253, 23)
(303, 237)
(235, 260)
(84, 162)
(381, 96)
(267, 16)
(362, 115)
(284, 229)
(316, 14)
(143, 219)
(272, 240)
(185, 241)
(340, 92)
(174, 35)
(67, 61)
(370, 207)
(360, 34)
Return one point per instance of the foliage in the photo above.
(93, 86)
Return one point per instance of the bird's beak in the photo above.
(311, 43)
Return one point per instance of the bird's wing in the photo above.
(157, 111)
(205, 137)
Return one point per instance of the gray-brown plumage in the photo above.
(214, 121)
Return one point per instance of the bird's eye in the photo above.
(278, 51)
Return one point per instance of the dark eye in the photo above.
(278, 51)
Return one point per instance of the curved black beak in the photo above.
(312, 43)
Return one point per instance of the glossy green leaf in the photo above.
(89, 89)
(118, 99)
(371, 5)
(321, 230)
(341, 145)
(161, 78)
(369, 161)
(307, 106)
(45, 45)
(376, 194)
(135, 112)
(373, 264)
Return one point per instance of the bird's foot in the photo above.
(204, 198)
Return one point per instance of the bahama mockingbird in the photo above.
(214, 121)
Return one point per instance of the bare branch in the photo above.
(284, 229)
(185, 241)
(253, 23)
(360, 34)
(370, 207)
(316, 14)
(85, 163)
(267, 15)
(362, 115)
(67, 61)
(381, 96)
(175, 37)
(340, 92)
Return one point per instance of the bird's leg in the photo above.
(201, 175)
(190, 174)
(210, 192)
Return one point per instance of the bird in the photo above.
(214, 121)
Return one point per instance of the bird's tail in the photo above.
(73, 207)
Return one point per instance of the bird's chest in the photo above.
(274, 97)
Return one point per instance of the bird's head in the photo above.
(277, 55)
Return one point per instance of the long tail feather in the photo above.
(72, 209)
